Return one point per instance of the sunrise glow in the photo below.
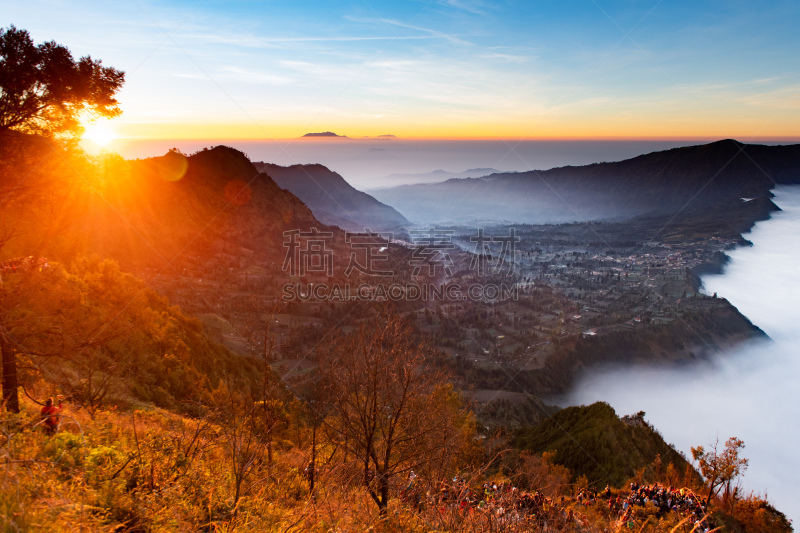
(463, 69)
(100, 134)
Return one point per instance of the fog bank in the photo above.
(751, 392)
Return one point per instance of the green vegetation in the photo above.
(593, 442)
(101, 337)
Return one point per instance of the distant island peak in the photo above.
(324, 134)
(332, 135)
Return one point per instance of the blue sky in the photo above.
(442, 68)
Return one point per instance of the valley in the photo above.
(561, 298)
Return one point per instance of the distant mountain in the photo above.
(324, 134)
(436, 176)
(660, 183)
(333, 200)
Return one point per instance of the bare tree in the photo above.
(390, 408)
(244, 438)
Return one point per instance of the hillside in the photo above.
(592, 441)
(660, 183)
(333, 200)
(180, 224)
(152, 213)
(102, 337)
(152, 470)
(220, 202)
(698, 335)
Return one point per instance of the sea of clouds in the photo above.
(752, 392)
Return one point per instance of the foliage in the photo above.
(720, 468)
(755, 513)
(152, 470)
(101, 335)
(593, 441)
(44, 90)
(539, 472)
(506, 413)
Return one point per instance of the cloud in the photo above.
(473, 6)
(252, 41)
(189, 76)
(506, 57)
(432, 33)
(256, 77)
(328, 71)
(785, 98)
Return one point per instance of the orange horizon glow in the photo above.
(142, 132)
(677, 138)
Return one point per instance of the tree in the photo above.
(97, 331)
(244, 437)
(720, 468)
(390, 408)
(28, 322)
(44, 90)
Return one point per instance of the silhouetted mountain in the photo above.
(155, 212)
(660, 183)
(436, 176)
(332, 199)
(324, 134)
(220, 202)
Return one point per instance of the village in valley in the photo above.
(551, 293)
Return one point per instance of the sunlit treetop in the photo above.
(44, 90)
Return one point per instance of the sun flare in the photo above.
(99, 134)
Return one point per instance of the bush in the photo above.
(103, 461)
(66, 450)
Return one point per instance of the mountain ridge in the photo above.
(332, 199)
(664, 182)
(431, 177)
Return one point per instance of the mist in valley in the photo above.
(750, 392)
(369, 163)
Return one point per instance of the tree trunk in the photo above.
(312, 473)
(10, 399)
(269, 453)
(383, 504)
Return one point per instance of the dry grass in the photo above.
(154, 471)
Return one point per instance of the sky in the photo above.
(443, 69)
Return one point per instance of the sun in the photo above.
(100, 134)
